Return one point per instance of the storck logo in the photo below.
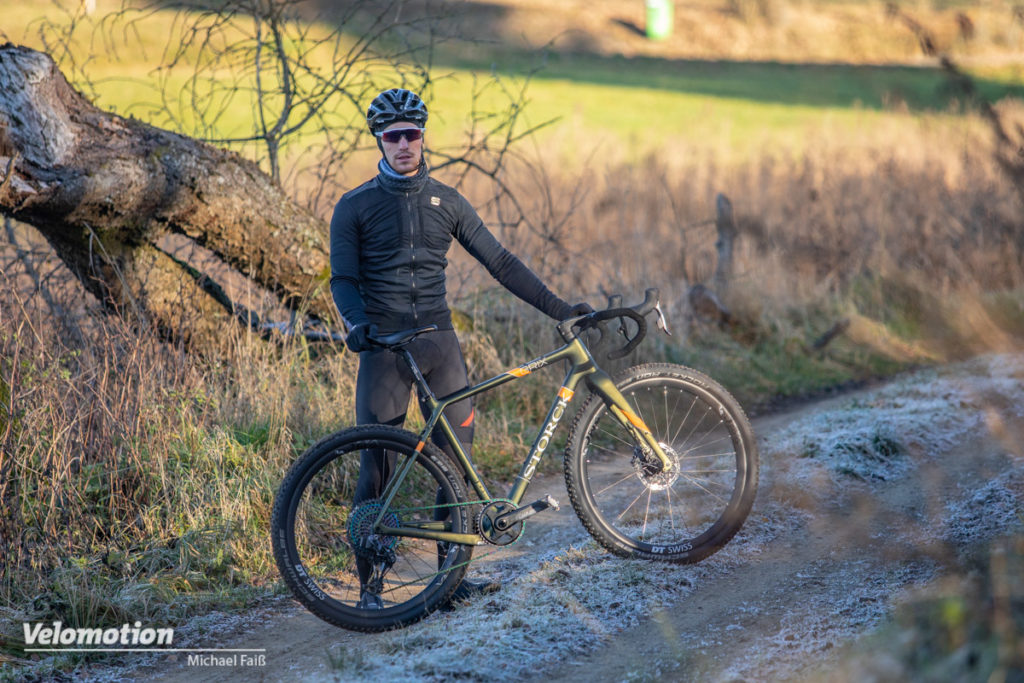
(564, 396)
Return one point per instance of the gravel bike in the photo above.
(660, 463)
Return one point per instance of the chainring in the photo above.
(491, 534)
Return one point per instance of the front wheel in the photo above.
(621, 495)
(325, 545)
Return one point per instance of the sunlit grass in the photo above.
(601, 105)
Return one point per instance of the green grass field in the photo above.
(603, 105)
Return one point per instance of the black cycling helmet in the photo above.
(397, 104)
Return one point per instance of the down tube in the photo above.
(573, 351)
(555, 414)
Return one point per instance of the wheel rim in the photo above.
(674, 511)
(320, 542)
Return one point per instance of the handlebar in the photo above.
(615, 309)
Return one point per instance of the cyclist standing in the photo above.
(389, 240)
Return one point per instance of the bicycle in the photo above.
(660, 463)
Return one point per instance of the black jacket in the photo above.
(388, 255)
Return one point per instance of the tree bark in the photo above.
(103, 189)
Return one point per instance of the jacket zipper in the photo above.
(412, 251)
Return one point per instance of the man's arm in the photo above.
(505, 266)
(345, 266)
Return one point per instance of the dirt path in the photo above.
(862, 498)
(783, 615)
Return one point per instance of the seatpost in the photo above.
(421, 382)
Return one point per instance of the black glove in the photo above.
(582, 308)
(358, 337)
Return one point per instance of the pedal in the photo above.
(510, 518)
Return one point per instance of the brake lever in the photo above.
(662, 322)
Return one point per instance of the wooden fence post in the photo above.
(726, 236)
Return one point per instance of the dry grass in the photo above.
(909, 230)
(137, 479)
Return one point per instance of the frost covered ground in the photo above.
(859, 497)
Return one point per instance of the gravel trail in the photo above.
(863, 498)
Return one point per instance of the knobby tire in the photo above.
(310, 528)
(633, 509)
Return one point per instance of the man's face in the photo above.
(405, 154)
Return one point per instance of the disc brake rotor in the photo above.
(649, 470)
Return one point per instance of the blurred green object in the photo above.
(659, 19)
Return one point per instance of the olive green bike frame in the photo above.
(582, 368)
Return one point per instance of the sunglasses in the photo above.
(393, 136)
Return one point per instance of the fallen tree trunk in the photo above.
(103, 189)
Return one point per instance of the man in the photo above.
(389, 240)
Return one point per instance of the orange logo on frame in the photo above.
(565, 393)
(519, 372)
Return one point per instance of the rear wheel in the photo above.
(320, 536)
(616, 484)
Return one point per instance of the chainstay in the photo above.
(455, 505)
(468, 562)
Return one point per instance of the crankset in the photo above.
(502, 523)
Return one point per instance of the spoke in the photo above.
(664, 401)
(707, 455)
(699, 423)
(608, 450)
(671, 515)
(636, 405)
(604, 430)
(682, 424)
(709, 482)
(421, 579)
(422, 554)
(615, 483)
(708, 443)
(409, 562)
(728, 469)
(654, 412)
(707, 491)
(647, 512)
(675, 408)
(631, 504)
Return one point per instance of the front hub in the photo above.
(649, 470)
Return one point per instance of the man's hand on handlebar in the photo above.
(582, 308)
(586, 318)
(358, 338)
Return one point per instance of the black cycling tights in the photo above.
(383, 387)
